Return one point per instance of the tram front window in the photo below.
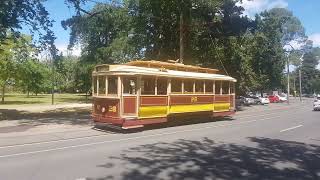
(102, 85)
(217, 87)
(112, 85)
(231, 87)
(94, 82)
(129, 85)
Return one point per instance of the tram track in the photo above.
(109, 133)
(56, 147)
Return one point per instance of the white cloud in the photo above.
(316, 39)
(76, 51)
(253, 7)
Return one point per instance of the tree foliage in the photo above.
(30, 13)
(216, 34)
(310, 73)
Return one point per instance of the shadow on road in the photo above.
(171, 123)
(184, 159)
(73, 116)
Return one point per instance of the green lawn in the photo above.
(21, 99)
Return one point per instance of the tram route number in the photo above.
(194, 99)
(112, 109)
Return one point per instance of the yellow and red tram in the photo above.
(147, 92)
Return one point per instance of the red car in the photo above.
(273, 99)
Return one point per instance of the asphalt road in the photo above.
(278, 141)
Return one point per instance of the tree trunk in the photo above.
(28, 94)
(86, 97)
(3, 91)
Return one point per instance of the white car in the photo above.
(316, 104)
(282, 98)
(264, 100)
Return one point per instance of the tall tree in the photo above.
(310, 73)
(14, 51)
(30, 13)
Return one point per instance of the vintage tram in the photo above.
(138, 93)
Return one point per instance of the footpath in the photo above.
(24, 120)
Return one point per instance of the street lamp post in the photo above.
(288, 72)
(300, 88)
(300, 79)
(288, 77)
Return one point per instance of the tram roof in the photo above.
(124, 69)
(172, 65)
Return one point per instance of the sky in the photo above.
(308, 11)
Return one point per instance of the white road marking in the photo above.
(104, 135)
(54, 141)
(288, 129)
(132, 138)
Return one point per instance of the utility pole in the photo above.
(294, 87)
(181, 37)
(300, 88)
(288, 77)
(53, 80)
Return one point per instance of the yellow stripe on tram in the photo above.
(152, 111)
(190, 108)
(161, 111)
(219, 107)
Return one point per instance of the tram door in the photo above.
(129, 94)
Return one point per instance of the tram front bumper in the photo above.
(99, 119)
(115, 122)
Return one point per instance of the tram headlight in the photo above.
(103, 109)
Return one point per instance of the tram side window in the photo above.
(199, 87)
(188, 86)
(225, 87)
(162, 86)
(231, 87)
(209, 87)
(112, 85)
(129, 85)
(176, 86)
(148, 85)
(217, 87)
(102, 85)
(94, 82)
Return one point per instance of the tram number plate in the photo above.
(112, 109)
(194, 99)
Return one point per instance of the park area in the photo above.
(15, 99)
(22, 114)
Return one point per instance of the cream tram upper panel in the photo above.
(134, 70)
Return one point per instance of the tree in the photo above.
(32, 75)
(17, 13)
(216, 35)
(14, 51)
(310, 73)
(103, 36)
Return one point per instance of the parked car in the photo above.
(264, 100)
(249, 100)
(282, 98)
(273, 99)
(256, 99)
(316, 104)
(242, 100)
